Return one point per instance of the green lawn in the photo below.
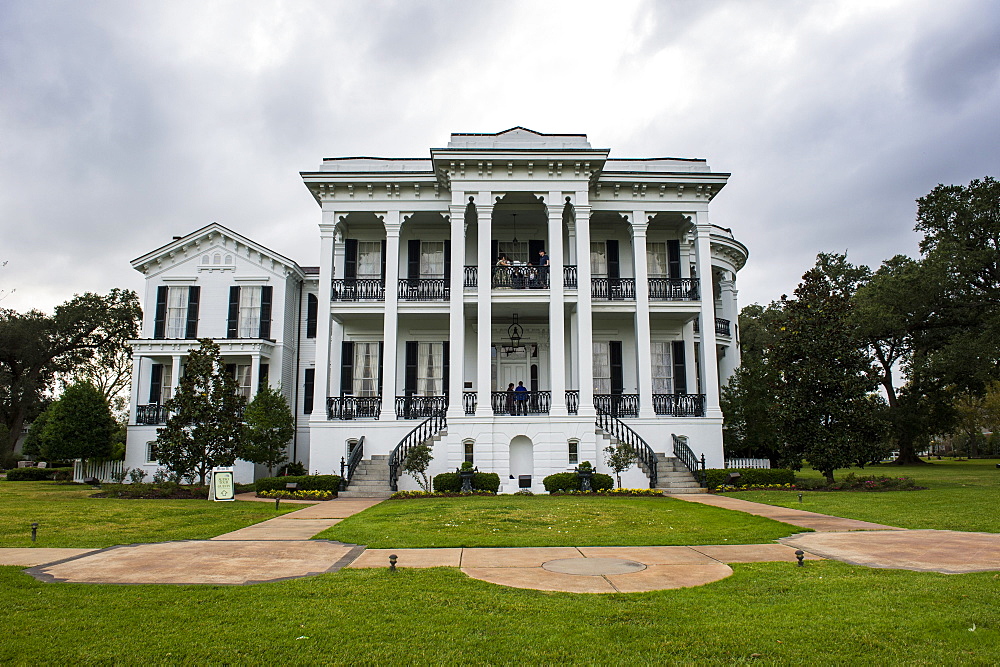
(542, 521)
(961, 495)
(68, 517)
(827, 613)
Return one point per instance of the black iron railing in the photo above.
(684, 454)
(572, 401)
(469, 402)
(673, 289)
(423, 289)
(617, 405)
(420, 407)
(721, 327)
(353, 407)
(679, 405)
(569, 276)
(153, 413)
(613, 289)
(621, 432)
(348, 467)
(470, 276)
(358, 289)
(421, 433)
(520, 277)
(521, 402)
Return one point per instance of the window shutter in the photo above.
(674, 258)
(680, 370)
(410, 373)
(534, 247)
(312, 315)
(533, 382)
(383, 261)
(446, 367)
(447, 264)
(194, 294)
(262, 375)
(614, 266)
(234, 311)
(350, 259)
(617, 371)
(308, 391)
(494, 252)
(347, 368)
(413, 261)
(156, 384)
(231, 370)
(160, 318)
(266, 293)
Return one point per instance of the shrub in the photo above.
(38, 474)
(294, 468)
(568, 481)
(481, 481)
(612, 492)
(852, 482)
(305, 482)
(163, 491)
(410, 495)
(308, 494)
(716, 477)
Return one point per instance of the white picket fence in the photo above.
(102, 471)
(747, 463)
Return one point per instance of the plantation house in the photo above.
(596, 286)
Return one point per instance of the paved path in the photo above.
(802, 518)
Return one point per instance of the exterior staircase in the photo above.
(672, 476)
(371, 479)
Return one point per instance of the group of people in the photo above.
(529, 277)
(517, 399)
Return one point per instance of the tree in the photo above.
(204, 428)
(78, 426)
(110, 370)
(976, 414)
(35, 348)
(33, 441)
(269, 427)
(620, 458)
(416, 463)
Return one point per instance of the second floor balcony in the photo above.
(358, 289)
(423, 289)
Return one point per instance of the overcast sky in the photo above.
(125, 123)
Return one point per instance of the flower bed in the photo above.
(305, 494)
(410, 495)
(611, 492)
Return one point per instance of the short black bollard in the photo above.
(800, 497)
(277, 503)
(392, 562)
(34, 532)
(800, 555)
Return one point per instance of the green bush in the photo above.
(38, 474)
(157, 491)
(305, 482)
(481, 481)
(568, 481)
(716, 477)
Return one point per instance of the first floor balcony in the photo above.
(420, 407)
(153, 413)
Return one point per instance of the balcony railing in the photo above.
(423, 289)
(470, 276)
(420, 407)
(721, 327)
(358, 289)
(520, 277)
(673, 289)
(469, 402)
(569, 276)
(617, 405)
(150, 414)
(572, 401)
(613, 289)
(353, 407)
(521, 403)
(679, 405)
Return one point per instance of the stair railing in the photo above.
(687, 457)
(624, 433)
(421, 433)
(348, 467)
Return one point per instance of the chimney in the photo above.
(178, 238)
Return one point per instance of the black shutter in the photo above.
(265, 311)
(410, 373)
(674, 259)
(350, 259)
(194, 294)
(617, 372)
(234, 312)
(533, 382)
(413, 261)
(494, 252)
(680, 370)
(446, 370)
(534, 247)
(231, 370)
(447, 264)
(614, 265)
(160, 319)
(383, 261)
(262, 376)
(312, 315)
(347, 368)
(309, 391)
(156, 384)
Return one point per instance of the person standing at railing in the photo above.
(521, 398)
(510, 398)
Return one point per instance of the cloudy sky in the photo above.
(124, 123)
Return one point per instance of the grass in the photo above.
(541, 521)
(961, 495)
(827, 613)
(68, 517)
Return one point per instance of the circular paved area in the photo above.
(593, 567)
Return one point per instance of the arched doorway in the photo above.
(522, 460)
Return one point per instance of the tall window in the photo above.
(656, 260)
(369, 259)
(599, 259)
(663, 368)
(432, 259)
(249, 323)
(430, 369)
(166, 383)
(515, 252)
(574, 451)
(366, 369)
(602, 368)
(177, 312)
(469, 450)
(243, 372)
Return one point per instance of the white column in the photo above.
(254, 375)
(584, 320)
(557, 310)
(728, 364)
(643, 348)
(709, 359)
(484, 312)
(456, 309)
(133, 407)
(321, 386)
(390, 320)
(175, 373)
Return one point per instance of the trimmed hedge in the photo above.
(568, 481)
(481, 481)
(716, 477)
(38, 474)
(153, 491)
(305, 482)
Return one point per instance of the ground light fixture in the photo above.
(392, 562)
(34, 531)
(800, 497)
(799, 555)
(732, 478)
(93, 481)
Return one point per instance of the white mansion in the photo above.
(519, 300)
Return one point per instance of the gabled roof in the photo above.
(514, 129)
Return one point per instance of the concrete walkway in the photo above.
(801, 518)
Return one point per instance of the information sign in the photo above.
(222, 487)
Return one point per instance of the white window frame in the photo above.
(469, 451)
(602, 376)
(517, 253)
(369, 260)
(248, 325)
(175, 324)
(366, 363)
(430, 369)
(432, 259)
(244, 378)
(663, 373)
(599, 259)
(573, 452)
(656, 260)
(150, 447)
(166, 382)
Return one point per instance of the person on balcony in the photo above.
(521, 398)
(510, 398)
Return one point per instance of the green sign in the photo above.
(222, 487)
